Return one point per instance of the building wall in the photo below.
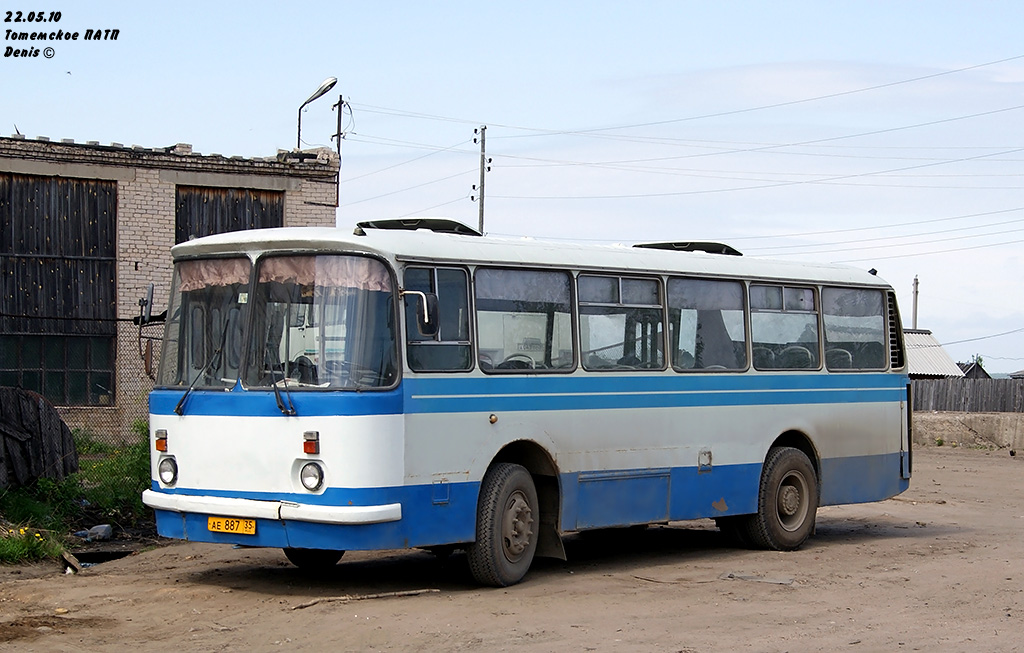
(146, 184)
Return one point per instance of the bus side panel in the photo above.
(862, 456)
(614, 498)
(720, 491)
(861, 479)
(624, 497)
(640, 449)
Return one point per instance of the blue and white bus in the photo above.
(416, 384)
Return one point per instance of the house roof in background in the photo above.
(926, 357)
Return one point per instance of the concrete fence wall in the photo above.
(1002, 430)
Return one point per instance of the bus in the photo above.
(415, 384)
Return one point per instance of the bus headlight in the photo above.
(168, 471)
(312, 476)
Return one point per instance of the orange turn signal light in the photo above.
(311, 442)
(161, 440)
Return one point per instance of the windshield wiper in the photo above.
(213, 363)
(290, 408)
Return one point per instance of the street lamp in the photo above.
(327, 85)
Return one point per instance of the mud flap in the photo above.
(549, 542)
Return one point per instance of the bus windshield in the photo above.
(205, 323)
(322, 321)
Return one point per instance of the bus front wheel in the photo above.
(506, 536)
(787, 501)
(313, 559)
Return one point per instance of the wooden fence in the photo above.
(969, 395)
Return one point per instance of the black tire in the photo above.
(506, 515)
(442, 552)
(313, 559)
(734, 528)
(787, 501)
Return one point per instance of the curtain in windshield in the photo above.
(323, 322)
(205, 323)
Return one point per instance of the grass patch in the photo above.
(23, 543)
(113, 485)
(106, 490)
(88, 443)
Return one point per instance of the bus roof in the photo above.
(397, 245)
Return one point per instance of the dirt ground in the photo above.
(939, 568)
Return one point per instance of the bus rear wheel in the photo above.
(506, 538)
(313, 559)
(787, 501)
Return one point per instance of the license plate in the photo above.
(232, 525)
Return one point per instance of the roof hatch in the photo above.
(693, 246)
(437, 225)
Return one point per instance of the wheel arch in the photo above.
(542, 467)
(530, 454)
(799, 440)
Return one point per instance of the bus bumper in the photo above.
(282, 523)
(276, 510)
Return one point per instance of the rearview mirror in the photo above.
(426, 318)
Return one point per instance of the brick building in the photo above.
(85, 228)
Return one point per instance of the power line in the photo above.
(996, 335)
(602, 131)
(408, 188)
(888, 226)
(413, 160)
(394, 142)
(760, 186)
(794, 102)
(431, 208)
(941, 251)
(886, 239)
(1000, 358)
(890, 246)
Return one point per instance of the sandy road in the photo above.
(940, 568)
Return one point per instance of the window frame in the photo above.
(414, 303)
(819, 362)
(625, 307)
(249, 342)
(744, 309)
(885, 335)
(572, 313)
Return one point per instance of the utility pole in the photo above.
(339, 134)
(485, 167)
(914, 320)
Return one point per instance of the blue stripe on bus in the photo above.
(262, 403)
(589, 500)
(460, 394)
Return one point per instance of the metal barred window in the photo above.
(57, 287)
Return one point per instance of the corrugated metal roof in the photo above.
(926, 357)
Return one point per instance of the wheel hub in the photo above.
(789, 501)
(517, 526)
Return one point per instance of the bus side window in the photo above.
(524, 321)
(620, 323)
(784, 327)
(449, 349)
(707, 325)
(855, 328)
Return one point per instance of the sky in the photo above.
(879, 135)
